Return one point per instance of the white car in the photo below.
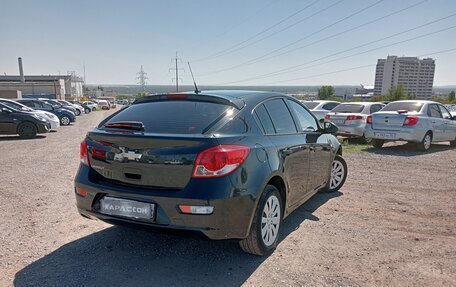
(320, 108)
(53, 119)
(417, 121)
(350, 118)
(104, 105)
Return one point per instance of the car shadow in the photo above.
(119, 256)
(17, 138)
(407, 149)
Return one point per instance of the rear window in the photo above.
(310, 105)
(406, 106)
(173, 117)
(348, 108)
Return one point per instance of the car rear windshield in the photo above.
(348, 108)
(310, 105)
(172, 117)
(406, 106)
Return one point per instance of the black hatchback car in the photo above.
(26, 124)
(228, 164)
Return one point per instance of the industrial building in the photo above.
(49, 86)
(415, 75)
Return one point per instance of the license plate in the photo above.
(385, 135)
(127, 208)
(338, 121)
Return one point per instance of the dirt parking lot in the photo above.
(392, 224)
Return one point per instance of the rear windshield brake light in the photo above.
(137, 126)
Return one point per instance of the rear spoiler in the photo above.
(218, 99)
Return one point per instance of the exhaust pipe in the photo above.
(21, 70)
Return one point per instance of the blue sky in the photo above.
(114, 38)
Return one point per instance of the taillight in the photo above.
(410, 120)
(327, 117)
(353, 117)
(369, 120)
(83, 154)
(220, 160)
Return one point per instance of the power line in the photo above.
(296, 41)
(295, 67)
(356, 68)
(220, 53)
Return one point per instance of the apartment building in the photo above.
(415, 75)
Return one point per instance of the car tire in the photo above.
(87, 110)
(65, 120)
(425, 143)
(377, 143)
(78, 112)
(367, 140)
(27, 130)
(265, 230)
(339, 172)
(94, 109)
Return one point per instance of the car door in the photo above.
(437, 122)
(449, 124)
(293, 151)
(7, 121)
(319, 146)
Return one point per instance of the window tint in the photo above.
(445, 112)
(433, 111)
(235, 126)
(174, 117)
(280, 116)
(330, 106)
(348, 108)
(310, 105)
(406, 106)
(375, 108)
(264, 119)
(305, 119)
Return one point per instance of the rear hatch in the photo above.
(154, 143)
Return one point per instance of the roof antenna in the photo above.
(194, 83)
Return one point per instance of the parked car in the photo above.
(86, 108)
(104, 105)
(350, 118)
(93, 106)
(415, 121)
(320, 108)
(79, 109)
(52, 119)
(57, 104)
(65, 116)
(227, 164)
(26, 124)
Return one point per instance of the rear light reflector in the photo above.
(220, 160)
(194, 209)
(327, 117)
(83, 153)
(98, 153)
(81, 192)
(353, 117)
(176, 96)
(410, 120)
(369, 120)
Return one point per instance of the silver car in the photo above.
(350, 118)
(320, 108)
(416, 121)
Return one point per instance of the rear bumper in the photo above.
(353, 131)
(230, 219)
(410, 135)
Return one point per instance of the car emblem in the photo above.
(127, 155)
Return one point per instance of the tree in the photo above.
(396, 93)
(325, 92)
(451, 97)
(411, 96)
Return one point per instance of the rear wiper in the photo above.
(127, 125)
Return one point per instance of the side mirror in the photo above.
(329, 128)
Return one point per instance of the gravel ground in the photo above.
(392, 224)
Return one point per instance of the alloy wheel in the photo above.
(270, 220)
(65, 121)
(337, 174)
(427, 141)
